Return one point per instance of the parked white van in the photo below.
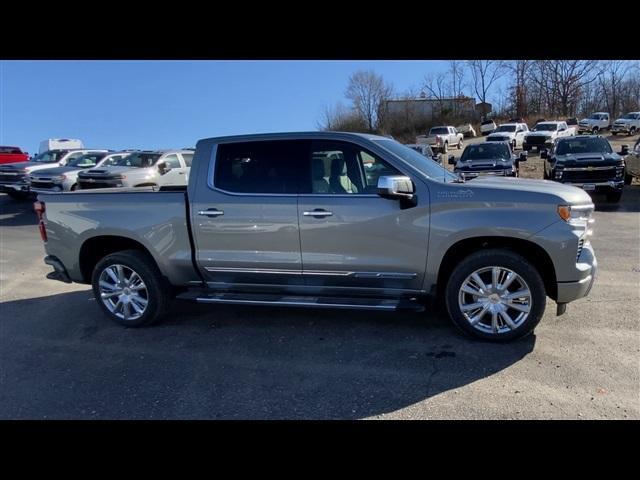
(60, 144)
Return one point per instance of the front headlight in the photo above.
(577, 215)
(58, 179)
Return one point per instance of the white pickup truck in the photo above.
(544, 134)
(594, 123)
(629, 124)
(441, 138)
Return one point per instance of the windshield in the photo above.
(506, 128)
(487, 122)
(631, 116)
(486, 151)
(86, 161)
(50, 156)
(418, 161)
(577, 145)
(439, 131)
(545, 127)
(139, 160)
(422, 149)
(596, 116)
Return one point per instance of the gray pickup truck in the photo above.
(327, 219)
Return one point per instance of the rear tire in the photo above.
(471, 313)
(153, 300)
(614, 197)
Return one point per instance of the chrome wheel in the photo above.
(495, 300)
(123, 292)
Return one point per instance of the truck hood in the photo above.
(502, 134)
(585, 159)
(58, 170)
(484, 164)
(565, 193)
(28, 166)
(624, 121)
(110, 170)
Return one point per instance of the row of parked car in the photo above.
(588, 162)
(68, 169)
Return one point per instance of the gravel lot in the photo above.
(60, 358)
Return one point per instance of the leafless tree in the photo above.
(457, 75)
(368, 92)
(519, 70)
(484, 73)
(611, 78)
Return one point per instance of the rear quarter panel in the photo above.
(157, 220)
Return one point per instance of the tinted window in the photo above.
(260, 167)
(172, 161)
(439, 131)
(188, 158)
(49, 156)
(113, 160)
(506, 128)
(486, 151)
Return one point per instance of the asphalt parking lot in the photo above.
(61, 358)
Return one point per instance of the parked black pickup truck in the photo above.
(588, 162)
(490, 158)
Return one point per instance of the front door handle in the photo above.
(318, 213)
(211, 212)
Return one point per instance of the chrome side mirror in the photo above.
(397, 187)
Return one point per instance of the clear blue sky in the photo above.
(165, 104)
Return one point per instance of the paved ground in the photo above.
(60, 358)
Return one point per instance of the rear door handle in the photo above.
(211, 212)
(317, 213)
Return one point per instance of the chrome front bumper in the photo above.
(587, 265)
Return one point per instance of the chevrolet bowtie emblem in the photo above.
(589, 168)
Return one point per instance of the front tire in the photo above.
(130, 288)
(495, 295)
(445, 149)
(460, 144)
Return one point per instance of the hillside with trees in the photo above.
(527, 89)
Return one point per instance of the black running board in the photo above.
(361, 303)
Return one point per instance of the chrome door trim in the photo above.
(281, 271)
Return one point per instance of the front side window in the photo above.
(340, 168)
(269, 167)
(112, 160)
(49, 156)
(172, 161)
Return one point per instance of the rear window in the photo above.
(439, 131)
(269, 167)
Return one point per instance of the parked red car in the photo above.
(12, 155)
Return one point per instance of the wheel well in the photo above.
(535, 254)
(96, 248)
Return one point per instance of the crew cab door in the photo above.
(245, 218)
(349, 235)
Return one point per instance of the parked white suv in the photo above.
(629, 124)
(159, 168)
(510, 132)
(594, 123)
